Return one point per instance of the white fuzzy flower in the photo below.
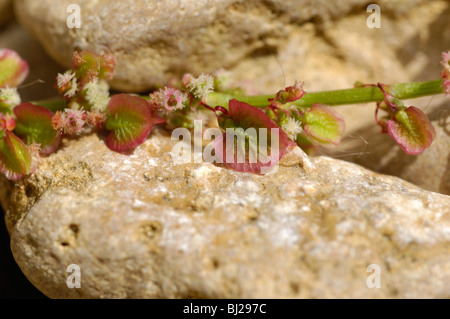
(73, 89)
(97, 94)
(200, 87)
(10, 97)
(67, 84)
(63, 79)
(292, 128)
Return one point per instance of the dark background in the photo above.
(13, 284)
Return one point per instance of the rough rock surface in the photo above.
(267, 45)
(324, 43)
(140, 226)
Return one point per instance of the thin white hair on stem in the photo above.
(357, 154)
(341, 153)
(277, 60)
(38, 81)
(429, 103)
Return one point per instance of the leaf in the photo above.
(323, 124)
(13, 69)
(16, 159)
(246, 150)
(34, 125)
(412, 130)
(130, 122)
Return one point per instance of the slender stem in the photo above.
(336, 97)
(339, 97)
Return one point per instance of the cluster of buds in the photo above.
(310, 127)
(199, 87)
(67, 84)
(72, 122)
(69, 121)
(177, 105)
(86, 91)
(168, 99)
(85, 86)
(290, 94)
(95, 119)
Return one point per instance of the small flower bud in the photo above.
(13, 69)
(290, 94)
(96, 118)
(186, 80)
(9, 98)
(200, 87)
(70, 121)
(67, 84)
(168, 99)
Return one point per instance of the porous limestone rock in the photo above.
(266, 44)
(140, 226)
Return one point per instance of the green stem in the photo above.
(366, 94)
(54, 105)
(338, 97)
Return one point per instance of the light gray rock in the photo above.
(266, 44)
(140, 226)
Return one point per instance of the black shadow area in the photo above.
(13, 283)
